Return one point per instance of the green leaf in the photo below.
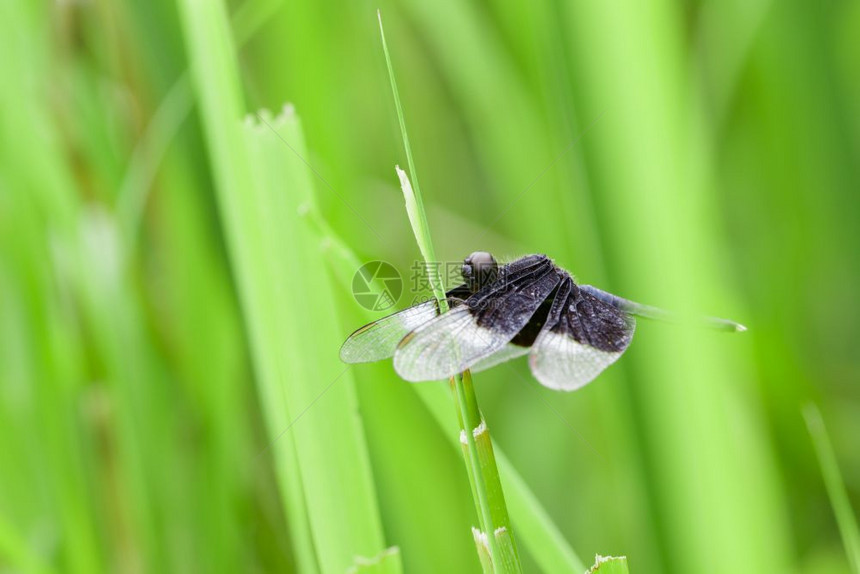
(316, 441)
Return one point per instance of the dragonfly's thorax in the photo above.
(479, 269)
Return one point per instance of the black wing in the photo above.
(470, 333)
(582, 336)
(378, 340)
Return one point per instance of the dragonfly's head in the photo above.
(479, 269)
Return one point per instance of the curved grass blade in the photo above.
(845, 517)
(259, 194)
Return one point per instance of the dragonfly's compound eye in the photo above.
(479, 269)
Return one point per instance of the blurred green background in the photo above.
(174, 285)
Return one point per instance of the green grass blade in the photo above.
(467, 405)
(259, 194)
(343, 515)
(414, 202)
(483, 473)
(200, 319)
(45, 483)
(664, 243)
(845, 516)
(160, 132)
(483, 478)
(483, 548)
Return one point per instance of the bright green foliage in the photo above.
(323, 467)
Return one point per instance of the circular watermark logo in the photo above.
(377, 286)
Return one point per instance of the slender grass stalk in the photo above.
(468, 414)
(414, 201)
(845, 517)
(482, 545)
(483, 472)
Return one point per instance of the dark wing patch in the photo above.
(592, 322)
(582, 336)
(489, 319)
(378, 340)
(527, 335)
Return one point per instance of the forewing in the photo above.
(489, 319)
(378, 340)
(582, 336)
(441, 348)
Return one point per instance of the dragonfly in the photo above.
(530, 306)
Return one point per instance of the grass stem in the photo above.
(483, 472)
(835, 485)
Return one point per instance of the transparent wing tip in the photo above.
(726, 325)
